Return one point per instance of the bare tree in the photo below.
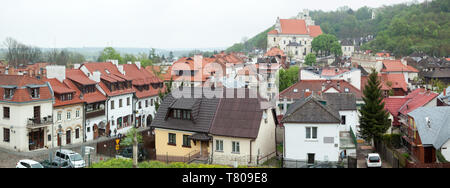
(18, 53)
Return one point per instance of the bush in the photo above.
(406, 155)
(128, 163)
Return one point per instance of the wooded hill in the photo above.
(400, 29)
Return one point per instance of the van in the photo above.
(74, 159)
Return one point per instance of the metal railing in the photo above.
(33, 122)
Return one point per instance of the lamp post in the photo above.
(60, 133)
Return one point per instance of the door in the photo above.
(428, 154)
(311, 158)
(204, 149)
(68, 137)
(37, 114)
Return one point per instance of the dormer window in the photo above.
(34, 92)
(181, 114)
(9, 93)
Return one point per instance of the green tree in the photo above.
(310, 59)
(109, 53)
(133, 138)
(326, 43)
(288, 77)
(374, 120)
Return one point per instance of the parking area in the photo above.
(362, 151)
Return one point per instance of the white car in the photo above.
(75, 159)
(28, 164)
(373, 160)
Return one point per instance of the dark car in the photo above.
(56, 164)
(127, 152)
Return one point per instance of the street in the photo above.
(362, 151)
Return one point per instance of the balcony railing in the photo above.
(95, 113)
(32, 122)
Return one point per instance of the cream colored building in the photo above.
(294, 36)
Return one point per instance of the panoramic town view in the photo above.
(215, 84)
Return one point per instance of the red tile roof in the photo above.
(143, 77)
(22, 93)
(275, 52)
(65, 87)
(79, 77)
(316, 87)
(110, 73)
(396, 80)
(396, 66)
(418, 98)
(314, 30)
(297, 27)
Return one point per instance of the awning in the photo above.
(200, 137)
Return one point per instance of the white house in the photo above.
(311, 133)
(26, 106)
(117, 86)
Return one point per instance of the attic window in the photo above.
(306, 90)
(428, 120)
(346, 90)
(34, 92)
(295, 90)
(9, 93)
(107, 72)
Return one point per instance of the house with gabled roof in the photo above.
(116, 85)
(26, 119)
(311, 132)
(147, 86)
(429, 132)
(68, 108)
(214, 126)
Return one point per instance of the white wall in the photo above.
(113, 114)
(297, 146)
(68, 124)
(351, 118)
(17, 123)
(446, 152)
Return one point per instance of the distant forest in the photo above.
(401, 29)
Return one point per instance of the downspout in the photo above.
(250, 152)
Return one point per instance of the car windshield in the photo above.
(76, 157)
(37, 165)
(374, 159)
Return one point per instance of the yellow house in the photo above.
(186, 129)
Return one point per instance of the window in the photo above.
(172, 139)
(5, 135)
(151, 102)
(146, 103)
(311, 132)
(9, 93)
(343, 120)
(219, 145)
(68, 115)
(186, 141)
(58, 116)
(49, 137)
(77, 133)
(140, 106)
(128, 101)
(120, 103)
(6, 112)
(112, 105)
(235, 148)
(77, 113)
(88, 129)
(34, 92)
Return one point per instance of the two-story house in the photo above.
(311, 133)
(147, 87)
(117, 86)
(26, 106)
(68, 108)
(94, 103)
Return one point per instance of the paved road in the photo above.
(9, 159)
(362, 151)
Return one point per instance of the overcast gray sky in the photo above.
(151, 23)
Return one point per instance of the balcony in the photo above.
(95, 113)
(37, 123)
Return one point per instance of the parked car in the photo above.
(56, 164)
(127, 152)
(373, 160)
(74, 159)
(28, 164)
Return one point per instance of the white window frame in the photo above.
(235, 147)
(311, 133)
(219, 145)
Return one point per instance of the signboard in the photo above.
(117, 147)
(117, 141)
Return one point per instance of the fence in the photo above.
(289, 163)
(430, 165)
(390, 156)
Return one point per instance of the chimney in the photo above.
(138, 64)
(323, 86)
(284, 106)
(56, 71)
(76, 66)
(403, 60)
(339, 85)
(96, 76)
(120, 67)
(129, 63)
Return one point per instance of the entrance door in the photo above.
(149, 120)
(311, 158)
(428, 154)
(37, 114)
(204, 148)
(68, 137)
